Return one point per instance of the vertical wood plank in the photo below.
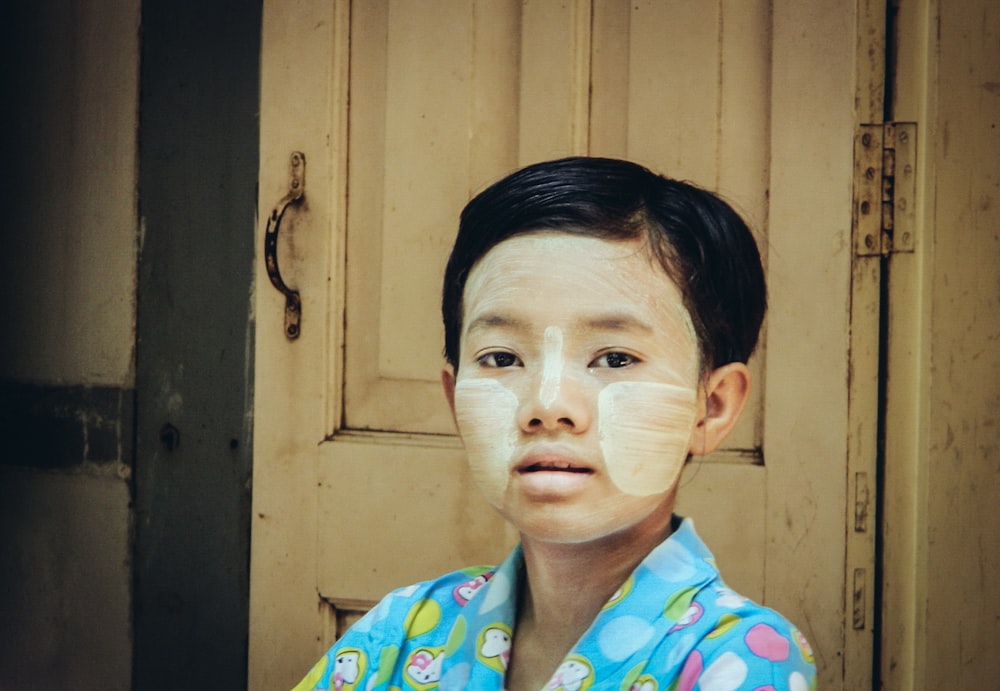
(674, 87)
(805, 402)
(555, 79)
(288, 393)
(495, 93)
(961, 626)
(742, 154)
(905, 521)
(863, 390)
(609, 79)
(429, 79)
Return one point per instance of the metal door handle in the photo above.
(296, 188)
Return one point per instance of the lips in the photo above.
(551, 473)
(551, 463)
(553, 466)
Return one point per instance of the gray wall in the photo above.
(67, 302)
(124, 565)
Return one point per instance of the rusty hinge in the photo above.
(885, 188)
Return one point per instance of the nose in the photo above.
(560, 405)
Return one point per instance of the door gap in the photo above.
(888, 109)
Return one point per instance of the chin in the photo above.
(574, 528)
(593, 524)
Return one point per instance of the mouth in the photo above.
(543, 464)
(552, 475)
(553, 467)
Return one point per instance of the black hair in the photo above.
(699, 240)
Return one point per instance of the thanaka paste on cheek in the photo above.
(644, 432)
(485, 411)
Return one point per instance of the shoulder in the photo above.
(419, 609)
(420, 614)
(728, 637)
(747, 642)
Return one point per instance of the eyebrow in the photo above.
(619, 322)
(616, 321)
(496, 321)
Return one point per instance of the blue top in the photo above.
(672, 626)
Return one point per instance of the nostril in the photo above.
(538, 423)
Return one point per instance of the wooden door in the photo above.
(404, 110)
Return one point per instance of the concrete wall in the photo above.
(69, 75)
(124, 560)
(64, 581)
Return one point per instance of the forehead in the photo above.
(549, 273)
(565, 254)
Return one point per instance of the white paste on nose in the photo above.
(644, 430)
(486, 413)
(552, 366)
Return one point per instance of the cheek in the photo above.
(485, 412)
(645, 429)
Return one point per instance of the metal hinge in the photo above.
(885, 188)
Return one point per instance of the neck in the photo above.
(566, 585)
(564, 589)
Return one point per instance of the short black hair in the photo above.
(699, 240)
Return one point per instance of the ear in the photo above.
(721, 399)
(448, 384)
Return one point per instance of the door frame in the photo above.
(811, 145)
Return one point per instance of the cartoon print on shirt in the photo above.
(644, 683)
(423, 668)
(348, 668)
(465, 592)
(429, 640)
(803, 645)
(574, 674)
(764, 641)
(728, 598)
(724, 624)
(494, 646)
(692, 615)
(623, 591)
(423, 617)
(678, 603)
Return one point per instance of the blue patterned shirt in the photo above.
(672, 626)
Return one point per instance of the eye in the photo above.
(614, 360)
(498, 359)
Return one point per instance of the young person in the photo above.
(598, 319)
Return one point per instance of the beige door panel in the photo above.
(404, 110)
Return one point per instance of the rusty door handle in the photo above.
(296, 188)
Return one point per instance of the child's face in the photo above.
(576, 392)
